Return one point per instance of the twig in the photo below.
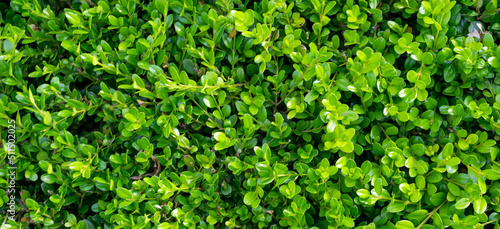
(430, 215)
(157, 167)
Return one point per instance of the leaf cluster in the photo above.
(250, 114)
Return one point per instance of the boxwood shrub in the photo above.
(250, 114)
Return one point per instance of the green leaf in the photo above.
(174, 73)
(488, 40)
(379, 44)
(438, 198)
(491, 174)
(7, 46)
(462, 203)
(396, 207)
(392, 131)
(123, 193)
(73, 18)
(447, 150)
(479, 205)
(450, 73)
(251, 199)
(220, 137)
(209, 102)
(221, 97)
(155, 70)
(418, 215)
(404, 224)
(47, 118)
(31, 204)
(189, 66)
(48, 178)
(143, 64)
(429, 20)
(412, 76)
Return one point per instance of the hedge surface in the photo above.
(250, 114)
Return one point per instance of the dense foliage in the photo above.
(243, 114)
